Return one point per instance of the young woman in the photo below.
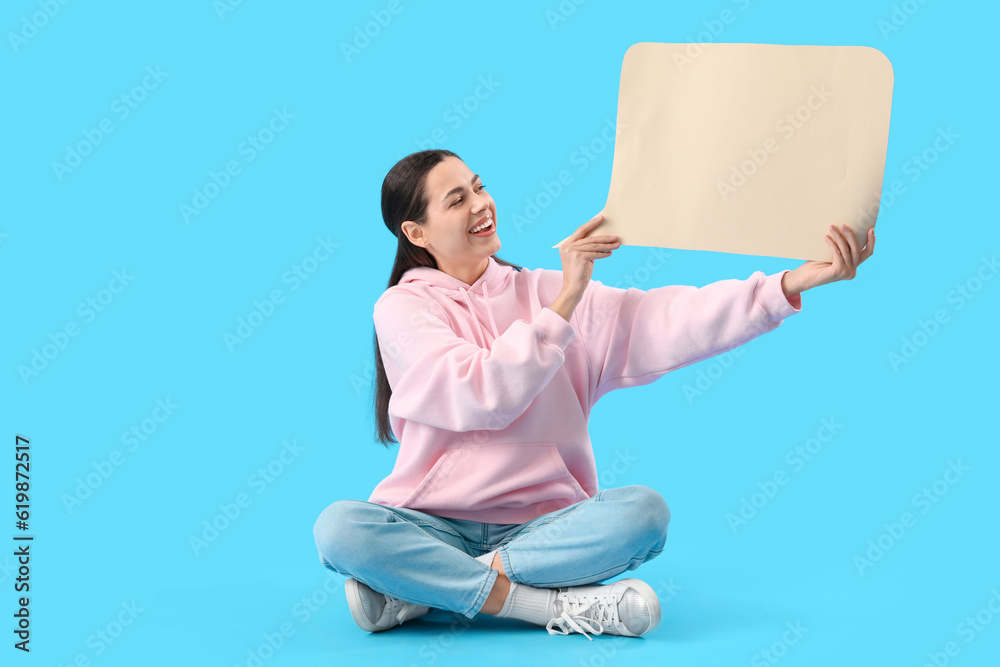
(486, 376)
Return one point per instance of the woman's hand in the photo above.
(847, 256)
(579, 252)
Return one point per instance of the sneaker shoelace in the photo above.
(574, 617)
(395, 607)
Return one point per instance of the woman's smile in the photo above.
(488, 230)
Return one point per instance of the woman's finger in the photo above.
(844, 250)
(837, 261)
(596, 248)
(869, 245)
(835, 250)
(852, 243)
(606, 238)
(851, 250)
(596, 243)
(582, 230)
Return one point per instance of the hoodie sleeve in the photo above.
(633, 336)
(442, 380)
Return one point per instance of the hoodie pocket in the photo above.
(508, 475)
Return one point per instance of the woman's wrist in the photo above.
(791, 283)
(565, 304)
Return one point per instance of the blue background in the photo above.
(304, 375)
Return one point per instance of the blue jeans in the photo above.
(430, 560)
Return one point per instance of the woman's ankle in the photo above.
(498, 595)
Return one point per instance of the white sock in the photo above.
(487, 559)
(535, 605)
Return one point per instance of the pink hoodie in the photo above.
(492, 390)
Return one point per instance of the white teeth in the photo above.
(483, 226)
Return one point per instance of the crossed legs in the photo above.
(426, 560)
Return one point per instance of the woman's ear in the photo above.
(414, 232)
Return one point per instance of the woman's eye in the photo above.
(481, 186)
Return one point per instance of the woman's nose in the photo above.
(482, 204)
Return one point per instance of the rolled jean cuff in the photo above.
(505, 562)
(484, 592)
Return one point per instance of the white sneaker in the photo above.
(375, 611)
(628, 607)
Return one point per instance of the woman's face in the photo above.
(457, 202)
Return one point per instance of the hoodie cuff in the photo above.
(772, 298)
(554, 329)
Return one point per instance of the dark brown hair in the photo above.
(404, 198)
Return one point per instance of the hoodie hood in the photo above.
(493, 280)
